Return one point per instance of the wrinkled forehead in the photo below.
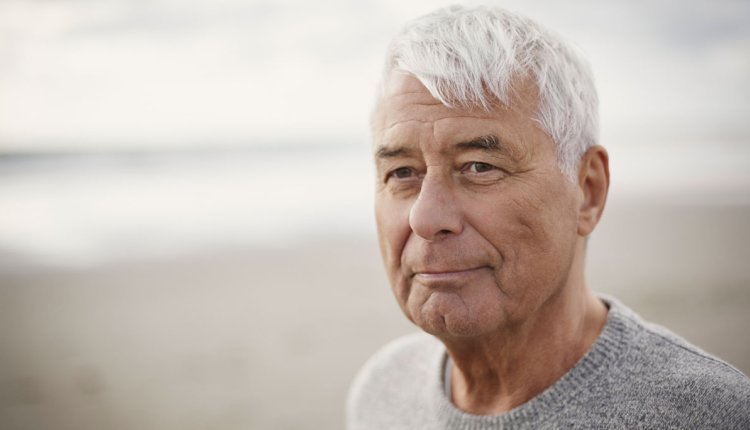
(408, 115)
(401, 89)
(399, 82)
(405, 99)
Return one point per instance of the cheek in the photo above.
(543, 214)
(533, 233)
(392, 220)
(545, 242)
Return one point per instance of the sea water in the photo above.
(87, 209)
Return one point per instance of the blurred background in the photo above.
(186, 237)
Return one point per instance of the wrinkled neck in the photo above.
(499, 372)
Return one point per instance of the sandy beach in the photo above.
(270, 338)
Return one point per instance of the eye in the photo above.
(401, 173)
(478, 172)
(479, 167)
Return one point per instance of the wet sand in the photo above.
(269, 339)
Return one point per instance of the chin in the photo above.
(453, 329)
(449, 323)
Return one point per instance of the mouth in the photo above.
(446, 275)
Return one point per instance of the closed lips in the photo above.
(439, 272)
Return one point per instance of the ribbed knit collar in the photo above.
(604, 353)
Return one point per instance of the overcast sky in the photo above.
(101, 74)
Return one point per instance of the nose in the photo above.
(435, 213)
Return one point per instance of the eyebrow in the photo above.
(489, 143)
(386, 152)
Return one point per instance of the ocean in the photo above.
(85, 209)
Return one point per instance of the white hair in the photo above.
(471, 57)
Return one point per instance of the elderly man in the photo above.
(489, 180)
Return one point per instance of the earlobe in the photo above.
(593, 181)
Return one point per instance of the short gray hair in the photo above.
(469, 57)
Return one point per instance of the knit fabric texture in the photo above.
(636, 375)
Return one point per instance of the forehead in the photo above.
(408, 112)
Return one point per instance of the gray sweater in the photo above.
(636, 375)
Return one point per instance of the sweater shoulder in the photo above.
(402, 351)
(404, 357)
(671, 354)
(681, 383)
(398, 374)
(654, 345)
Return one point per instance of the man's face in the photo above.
(476, 223)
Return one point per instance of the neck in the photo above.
(496, 373)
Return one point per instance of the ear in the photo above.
(593, 181)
